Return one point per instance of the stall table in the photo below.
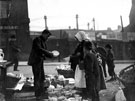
(3, 71)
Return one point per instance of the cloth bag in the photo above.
(120, 96)
(80, 81)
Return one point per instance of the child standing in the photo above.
(110, 61)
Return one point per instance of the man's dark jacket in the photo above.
(14, 50)
(39, 51)
(74, 58)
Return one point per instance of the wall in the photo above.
(122, 50)
(19, 17)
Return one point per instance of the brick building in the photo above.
(14, 20)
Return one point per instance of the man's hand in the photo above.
(55, 53)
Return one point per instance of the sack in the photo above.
(46, 83)
(120, 96)
(80, 80)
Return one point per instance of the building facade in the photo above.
(14, 20)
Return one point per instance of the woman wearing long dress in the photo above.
(92, 72)
(75, 59)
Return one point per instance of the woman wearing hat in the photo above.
(76, 60)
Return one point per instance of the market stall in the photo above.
(127, 78)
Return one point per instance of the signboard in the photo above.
(8, 27)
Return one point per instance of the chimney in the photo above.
(45, 17)
(88, 25)
(122, 23)
(94, 24)
(77, 27)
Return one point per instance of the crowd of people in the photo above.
(88, 62)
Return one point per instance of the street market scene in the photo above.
(41, 59)
(26, 93)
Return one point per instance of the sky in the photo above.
(62, 13)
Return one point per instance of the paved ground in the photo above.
(50, 68)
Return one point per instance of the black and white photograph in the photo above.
(67, 50)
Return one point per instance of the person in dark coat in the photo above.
(38, 54)
(76, 56)
(101, 84)
(78, 52)
(102, 52)
(14, 52)
(110, 61)
(92, 72)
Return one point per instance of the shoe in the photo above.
(112, 79)
(105, 75)
(41, 97)
(16, 70)
(38, 98)
(89, 99)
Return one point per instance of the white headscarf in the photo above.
(81, 35)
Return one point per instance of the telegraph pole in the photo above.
(77, 27)
(122, 23)
(94, 29)
(94, 24)
(88, 25)
(45, 17)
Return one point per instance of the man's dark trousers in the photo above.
(39, 77)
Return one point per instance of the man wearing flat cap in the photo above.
(38, 54)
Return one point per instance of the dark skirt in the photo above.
(101, 81)
(92, 91)
(111, 69)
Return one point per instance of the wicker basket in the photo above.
(11, 81)
(127, 76)
(66, 73)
